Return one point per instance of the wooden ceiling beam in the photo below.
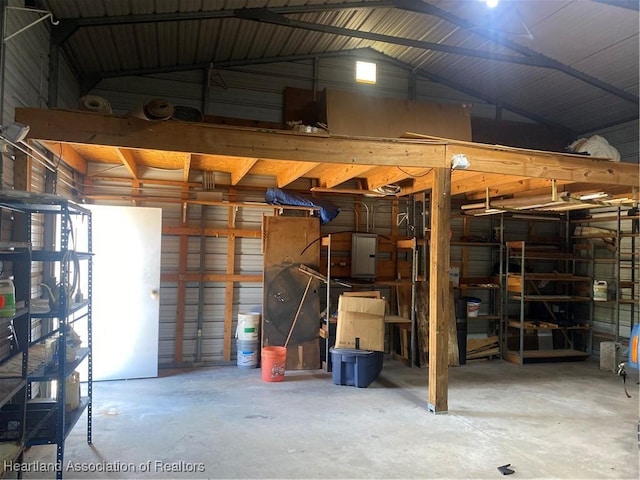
(241, 168)
(331, 175)
(68, 155)
(127, 158)
(521, 185)
(202, 138)
(382, 176)
(419, 185)
(290, 175)
(529, 163)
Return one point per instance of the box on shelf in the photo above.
(360, 323)
(357, 368)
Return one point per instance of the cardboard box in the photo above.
(363, 319)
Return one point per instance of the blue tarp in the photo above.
(277, 196)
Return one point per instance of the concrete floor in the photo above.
(561, 420)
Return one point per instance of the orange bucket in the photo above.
(273, 363)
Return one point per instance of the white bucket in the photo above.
(7, 298)
(599, 291)
(473, 308)
(248, 324)
(247, 354)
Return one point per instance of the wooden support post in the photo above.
(228, 295)
(439, 310)
(181, 287)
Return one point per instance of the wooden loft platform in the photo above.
(328, 161)
(81, 137)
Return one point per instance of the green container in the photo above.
(8, 298)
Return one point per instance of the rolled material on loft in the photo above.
(186, 113)
(155, 109)
(94, 103)
(596, 146)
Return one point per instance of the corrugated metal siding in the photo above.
(626, 138)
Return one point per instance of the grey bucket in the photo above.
(248, 353)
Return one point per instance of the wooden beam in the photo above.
(209, 277)
(211, 232)
(331, 175)
(241, 168)
(237, 167)
(127, 158)
(201, 138)
(68, 155)
(420, 184)
(289, 175)
(181, 300)
(439, 296)
(499, 185)
(529, 163)
(381, 176)
(187, 167)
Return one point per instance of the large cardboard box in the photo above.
(363, 319)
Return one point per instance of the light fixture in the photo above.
(14, 133)
(460, 161)
(492, 3)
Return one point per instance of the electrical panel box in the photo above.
(363, 255)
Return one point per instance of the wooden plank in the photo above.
(201, 138)
(210, 232)
(439, 308)
(209, 277)
(487, 353)
(508, 186)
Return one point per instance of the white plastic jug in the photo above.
(7, 298)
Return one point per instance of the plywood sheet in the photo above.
(290, 242)
(350, 113)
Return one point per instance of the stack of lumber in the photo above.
(482, 347)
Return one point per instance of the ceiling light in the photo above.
(492, 3)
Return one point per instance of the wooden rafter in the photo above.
(331, 175)
(289, 175)
(382, 176)
(68, 155)
(187, 167)
(128, 161)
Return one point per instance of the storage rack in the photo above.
(402, 244)
(14, 365)
(610, 240)
(48, 422)
(525, 287)
(479, 256)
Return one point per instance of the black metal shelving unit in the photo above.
(14, 361)
(47, 421)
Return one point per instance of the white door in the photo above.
(126, 285)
